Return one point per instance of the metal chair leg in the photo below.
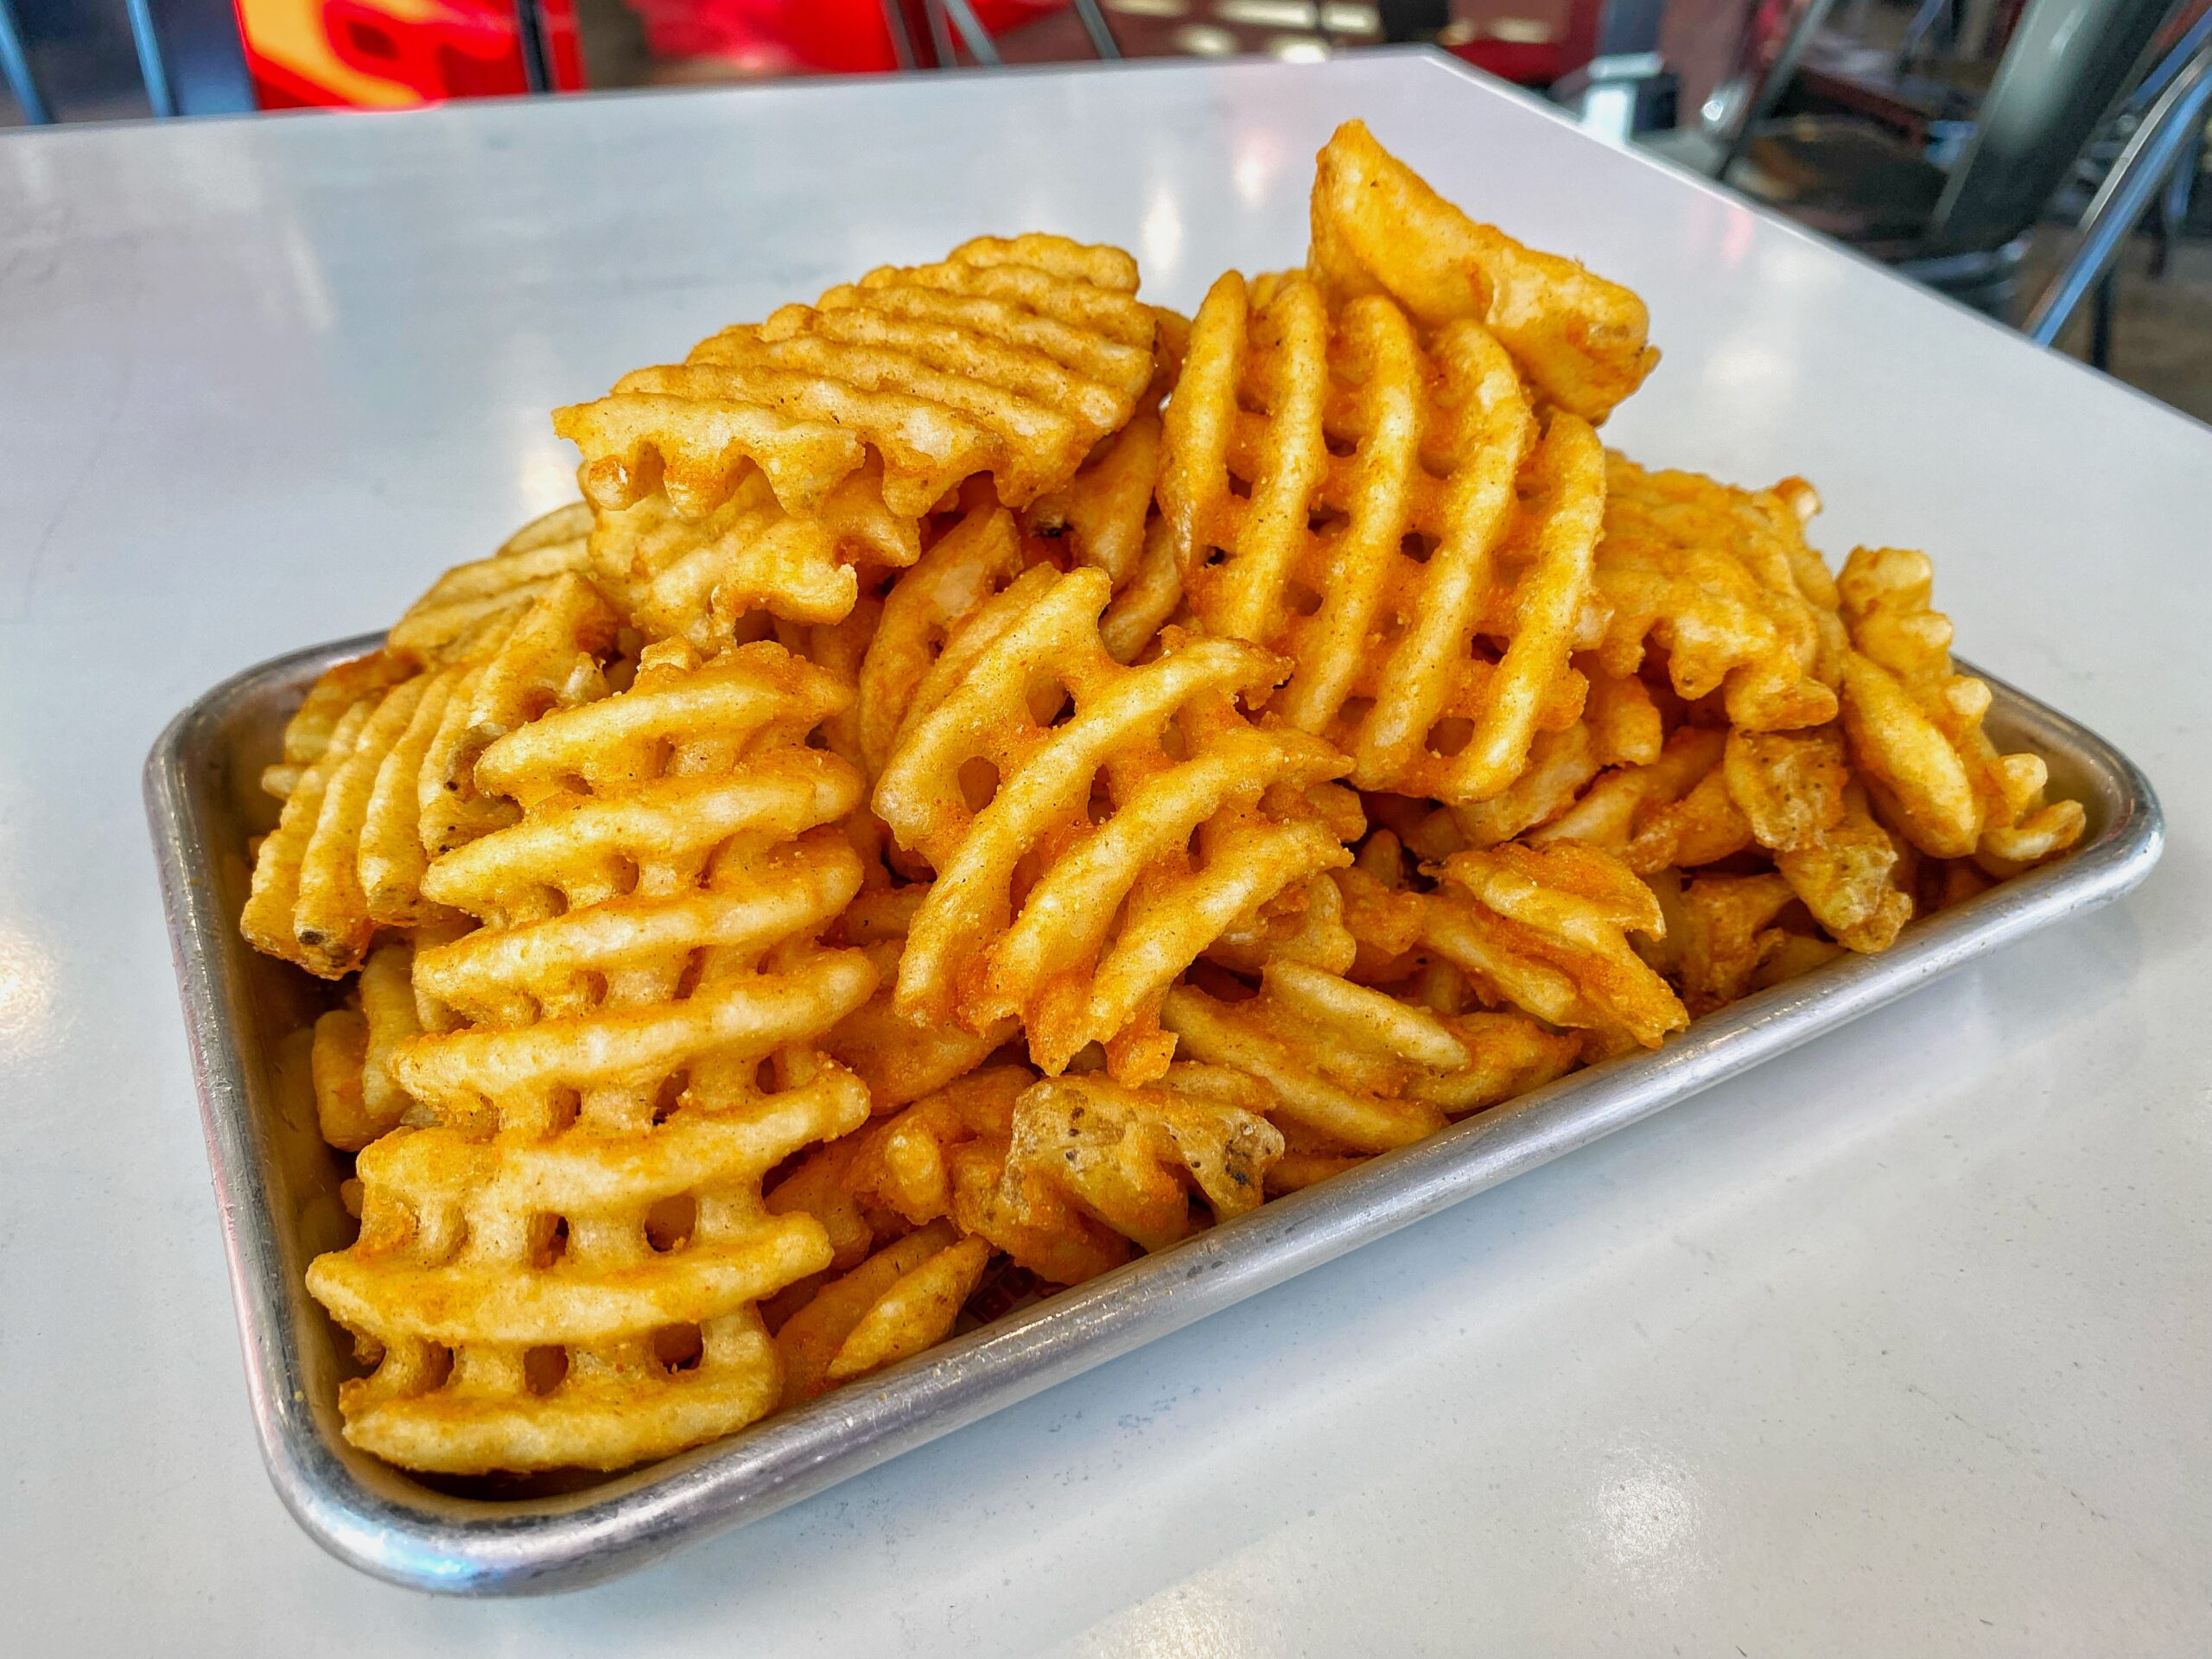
(15, 66)
(530, 45)
(2100, 311)
(1095, 26)
(902, 42)
(2153, 149)
(153, 68)
(973, 35)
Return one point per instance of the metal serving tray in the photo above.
(276, 1184)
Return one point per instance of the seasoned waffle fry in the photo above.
(819, 1186)
(1915, 726)
(969, 564)
(1103, 509)
(699, 581)
(1065, 1173)
(899, 1061)
(554, 656)
(305, 904)
(1795, 790)
(392, 858)
(1379, 228)
(1726, 933)
(562, 1270)
(1673, 809)
(1133, 1159)
(1010, 359)
(902, 1299)
(356, 1098)
(1390, 574)
(978, 950)
(1718, 576)
(1546, 929)
(1358, 1069)
(470, 602)
(307, 735)
(1303, 923)
(901, 1164)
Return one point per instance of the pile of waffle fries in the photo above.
(994, 776)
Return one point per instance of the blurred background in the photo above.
(2035, 159)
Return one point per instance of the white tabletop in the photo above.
(1899, 1344)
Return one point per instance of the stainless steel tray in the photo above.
(276, 1185)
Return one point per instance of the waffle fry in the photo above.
(1379, 228)
(1720, 577)
(306, 904)
(969, 564)
(1915, 726)
(1356, 1069)
(1674, 809)
(1132, 1160)
(554, 655)
(562, 1269)
(1010, 359)
(899, 1061)
(1545, 931)
(700, 580)
(819, 1185)
(901, 1300)
(1103, 511)
(356, 1098)
(903, 1163)
(1726, 931)
(1431, 583)
(470, 602)
(335, 691)
(1795, 790)
(391, 859)
(1055, 956)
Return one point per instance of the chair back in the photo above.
(2069, 62)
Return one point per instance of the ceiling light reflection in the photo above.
(26, 996)
(1162, 232)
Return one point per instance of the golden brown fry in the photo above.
(1915, 726)
(900, 1165)
(335, 691)
(1129, 1162)
(1546, 929)
(967, 565)
(700, 579)
(902, 1299)
(1796, 792)
(1722, 579)
(1011, 359)
(1107, 812)
(901, 1062)
(1357, 1068)
(1727, 935)
(562, 1269)
(465, 608)
(330, 937)
(1387, 517)
(356, 1098)
(1379, 228)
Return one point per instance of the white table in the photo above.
(1899, 1345)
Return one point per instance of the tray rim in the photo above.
(382, 1523)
